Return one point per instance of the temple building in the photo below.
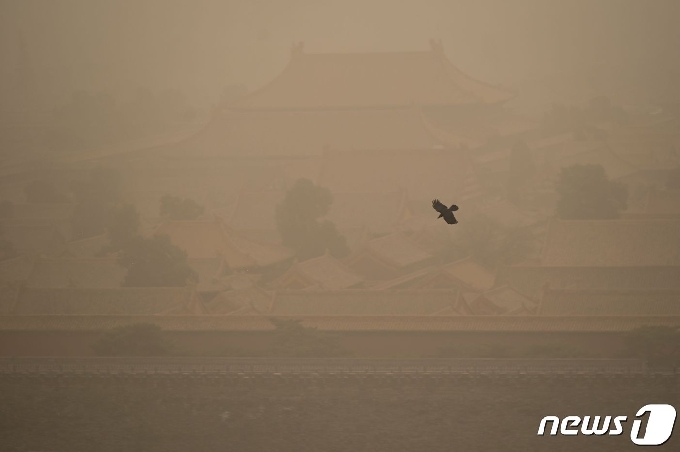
(326, 81)
(403, 101)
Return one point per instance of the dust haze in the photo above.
(230, 224)
(201, 47)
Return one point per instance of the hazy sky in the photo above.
(200, 46)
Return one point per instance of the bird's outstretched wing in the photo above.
(439, 207)
(450, 218)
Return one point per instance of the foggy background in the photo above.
(626, 49)
(158, 227)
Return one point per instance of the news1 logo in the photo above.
(660, 424)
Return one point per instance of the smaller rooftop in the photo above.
(397, 250)
(362, 303)
(321, 273)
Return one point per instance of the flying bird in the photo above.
(445, 212)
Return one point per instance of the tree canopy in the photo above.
(296, 340)
(155, 262)
(123, 225)
(140, 339)
(176, 208)
(299, 222)
(97, 197)
(522, 169)
(585, 193)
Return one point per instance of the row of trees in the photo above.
(97, 197)
(300, 223)
(150, 261)
(584, 192)
(100, 208)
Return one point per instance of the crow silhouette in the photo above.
(445, 212)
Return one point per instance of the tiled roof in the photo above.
(324, 272)
(355, 237)
(211, 239)
(397, 250)
(302, 133)
(251, 301)
(16, 269)
(122, 301)
(241, 280)
(261, 254)
(443, 323)
(406, 280)
(378, 212)
(209, 271)
(531, 279)
(362, 303)
(611, 302)
(428, 232)
(502, 300)
(471, 274)
(359, 80)
(424, 175)
(76, 273)
(89, 247)
(613, 243)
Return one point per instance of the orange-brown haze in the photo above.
(217, 225)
